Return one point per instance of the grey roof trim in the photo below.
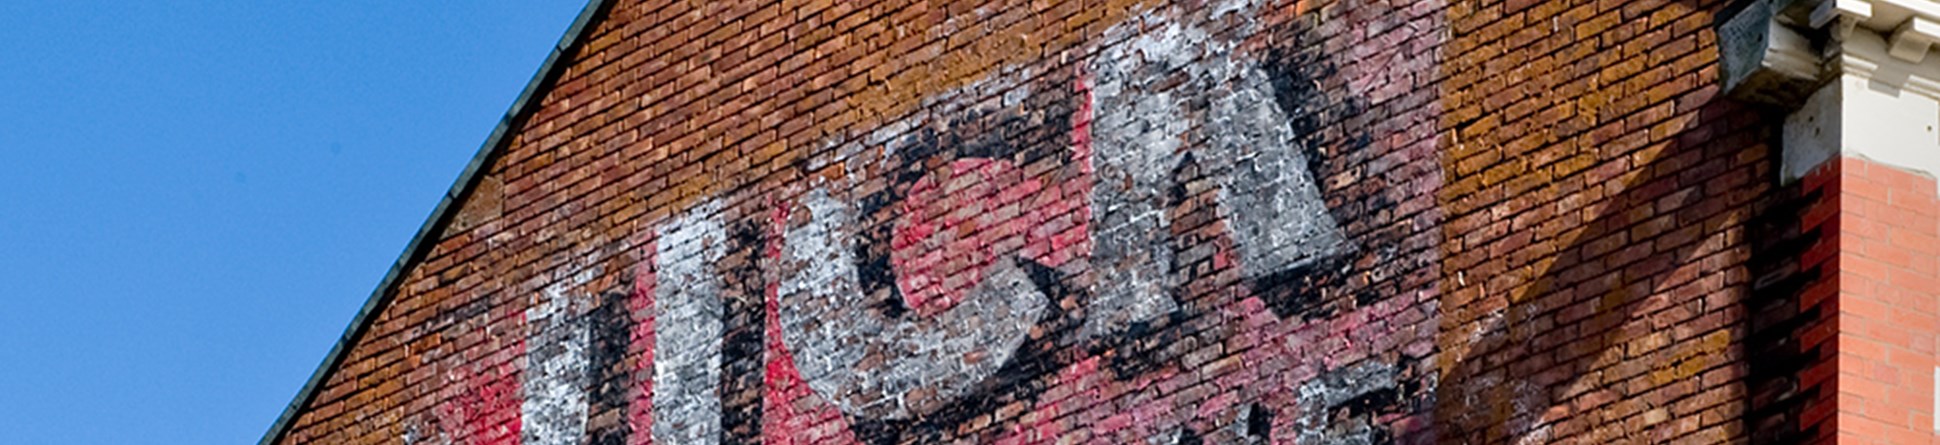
(421, 244)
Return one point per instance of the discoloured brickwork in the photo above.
(1111, 221)
(1596, 240)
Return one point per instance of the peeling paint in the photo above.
(553, 410)
(956, 275)
(687, 330)
(1278, 219)
(1340, 406)
(925, 362)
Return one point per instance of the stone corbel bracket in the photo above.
(1777, 51)
(1768, 57)
(1851, 76)
(1911, 41)
(1910, 26)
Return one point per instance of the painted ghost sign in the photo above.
(1146, 242)
(829, 323)
(688, 313)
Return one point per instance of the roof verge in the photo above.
(421, 244)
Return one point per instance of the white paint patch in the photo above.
(871, 365)
(1157, 84)
(1319, 397)
(1136, 131)
(688, 327)
(1279, 221)
(553, 409)
(1244, 9)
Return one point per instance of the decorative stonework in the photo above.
(1853, 74)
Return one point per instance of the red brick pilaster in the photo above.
(1889, 303)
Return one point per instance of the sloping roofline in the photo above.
(421, 244)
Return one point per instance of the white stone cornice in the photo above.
(1871, 57)
(1889, 14)
(1911, 41)
(1882, 107)
(1853, 76)
(1914, 25)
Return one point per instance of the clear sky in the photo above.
(196, 196)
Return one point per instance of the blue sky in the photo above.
(196, 196)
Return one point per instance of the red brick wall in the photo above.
(1887, 306)
(1598, 195)
(1103, 222)
(1793, 312)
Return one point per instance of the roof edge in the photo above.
(441, 216)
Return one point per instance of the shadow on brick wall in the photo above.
(1631, 323)
(1603, 297)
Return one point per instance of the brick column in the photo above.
(1888, 296)
(1849, 309)
(1857, 361)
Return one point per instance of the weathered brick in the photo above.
(999, 221)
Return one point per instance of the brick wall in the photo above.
(1792, 313)
(1108, 221)
(1885, 253)
(1887, 309)
(1595, 249)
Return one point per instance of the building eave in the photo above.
(441, 216)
